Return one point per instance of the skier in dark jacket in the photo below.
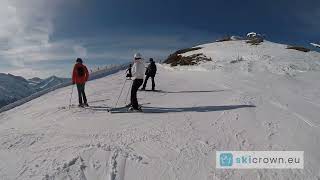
(150, 72)
(80, 76)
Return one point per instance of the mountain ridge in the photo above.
(14, 88)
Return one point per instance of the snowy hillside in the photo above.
(34, 81)
(53, 83)
(315, 44)
(13, 88)
(49, 82)
(271, 57)
(260, 103)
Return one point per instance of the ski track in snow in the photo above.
(195, 114)
(117, 164)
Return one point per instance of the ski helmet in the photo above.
(137, 56)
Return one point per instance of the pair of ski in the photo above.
(74, 106)
(125, 109)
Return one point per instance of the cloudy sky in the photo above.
(43, 37)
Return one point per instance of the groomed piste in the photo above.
(267, 101)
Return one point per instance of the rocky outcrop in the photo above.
(177, 59)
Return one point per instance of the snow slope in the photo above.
(199, 110)
(267, 57)
(51, 84)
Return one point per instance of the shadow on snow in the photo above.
(194, 109)
(147, 109)
(201, 91)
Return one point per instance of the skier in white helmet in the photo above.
(138, 75)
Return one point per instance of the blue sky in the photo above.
(43, 37)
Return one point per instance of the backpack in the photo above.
(152, 69)
(80, 71)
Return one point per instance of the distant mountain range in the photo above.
(13, 88)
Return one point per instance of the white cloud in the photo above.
(80, 51)
(25, 26)
(25, 30)
(25, 23)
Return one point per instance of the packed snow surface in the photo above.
(194, 114)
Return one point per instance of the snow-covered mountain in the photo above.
(270, 57)
(13, 88)
(315, 44)
(34, 81)
(261, 98)
(41, 84)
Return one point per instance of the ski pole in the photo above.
(120, 93)
(128, 92)
(71, 96)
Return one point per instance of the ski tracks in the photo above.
(99, 162)
(297, 115)
(117, 164)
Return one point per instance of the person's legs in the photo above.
(145, 82)
(135, 86)
(79, 88)
(133, 93)
(153, 84)
(84, 95)
(139, 83)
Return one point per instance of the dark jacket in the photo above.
(151, 70)
(129, 74)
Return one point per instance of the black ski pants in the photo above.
(81, 94)
(146, 80)
(134, 89)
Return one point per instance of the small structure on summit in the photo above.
(254, 38)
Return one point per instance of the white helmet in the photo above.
(137, 56)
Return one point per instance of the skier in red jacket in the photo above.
(80, 76)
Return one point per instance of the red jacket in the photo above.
(76, 77)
